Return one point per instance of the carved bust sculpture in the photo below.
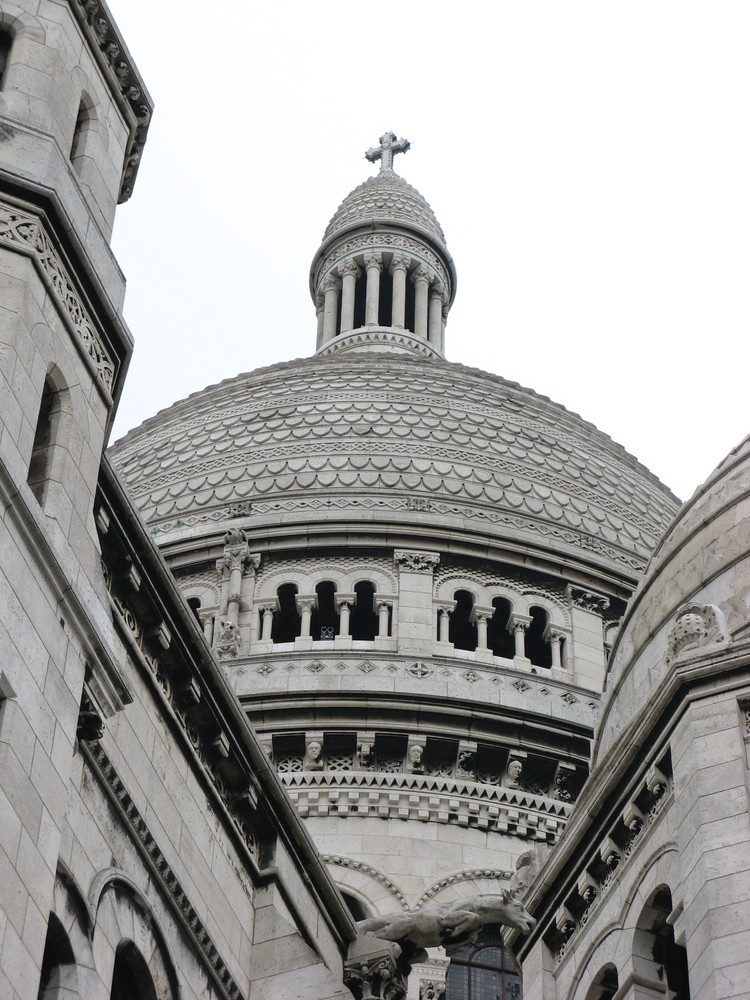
(513, 772)
(314, 750)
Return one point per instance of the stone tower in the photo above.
(410, 571)
(73, 121)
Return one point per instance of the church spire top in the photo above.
(389, 146)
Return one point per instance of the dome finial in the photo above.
(389, 146)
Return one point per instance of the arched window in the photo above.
(499, 639)
(325, 616)
(6, 43)
(287, 622)
(45, 459)
(463, 631)
(363, 623)
(84, 123)
(355, 906)
(537, 647)
(59, 971)
(605, 984)
(656, 955)
(194, 603)
(131, 979)
(483, 970)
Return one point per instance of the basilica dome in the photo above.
(379, 445)
(693, 598)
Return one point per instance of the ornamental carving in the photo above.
(26, 231)
(227, 640)
(588, 600)
(416, 562)
(696, 626)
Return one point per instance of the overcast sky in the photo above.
(589, 164)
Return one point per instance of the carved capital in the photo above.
(481, 614)
(374, 260)
(345, 600)
(587, 599)
(518, 623)
(556, 632)
(375, 969)
(420, 274)
(416, 562)
(400, 262)
(437, 290)
(305, 602)
(332, 283)
(349, 267)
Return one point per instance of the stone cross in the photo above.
(389, 146)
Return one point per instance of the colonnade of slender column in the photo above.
(336, 299)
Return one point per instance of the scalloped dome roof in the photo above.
(386, 197)
(372, 441)
(703, 558)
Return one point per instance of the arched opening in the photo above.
(363, 623)
(6, 43)
(385, 298)
(325, 615)
(355, 906)
(194, 603)
(58, 963)
(605, 984)
(360, 295)
(463, 631)
(657, 957)
(131, 979)
(499, 639)
(84, 122)
(287, 622)
(47, 435)
(482, 970)
(411, 298)
(537, 647)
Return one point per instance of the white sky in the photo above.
(588, 161)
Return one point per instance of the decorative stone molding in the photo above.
(408, 342)
(641, 810)
(424, 798)
(227, 640)
(26, 232)
(101, 765)
(469, 875)
(696, 626)
(105, 39)
(388, 242)
(374, 873)
(373, 970)
(400, 262)
(587, 600)
(349, 267)
(416, 562)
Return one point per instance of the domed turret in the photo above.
(383, 278)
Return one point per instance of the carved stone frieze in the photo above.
(416, 562)
(24, 231)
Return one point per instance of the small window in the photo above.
(6, 42)
(325, 616)
(499, 639)
(537, 648)
(47, 436)
(131, 979)
(287, 622)
(481, 970)
(463, 632)
(363, 623)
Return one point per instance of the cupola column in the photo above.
(383, 609)
(331, 289)
(320, 314)
(399, 267)
(374, 265)
(305, 607)
(421, 279)
(435, 334)
(349, 273)
(344, 603)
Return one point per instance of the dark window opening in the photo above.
(357, 909)
(6, 41)
(385, 301)
(339, 303)
(605, 985)
(287, 622)
(57, 954)
(499, 639)
(46, 436)
(363, 623)
(194, 603)
(463, 632)
(482, 970)
(325, 616)
(131, 979)
(360, 293)
(411, 298)
(537, 648)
